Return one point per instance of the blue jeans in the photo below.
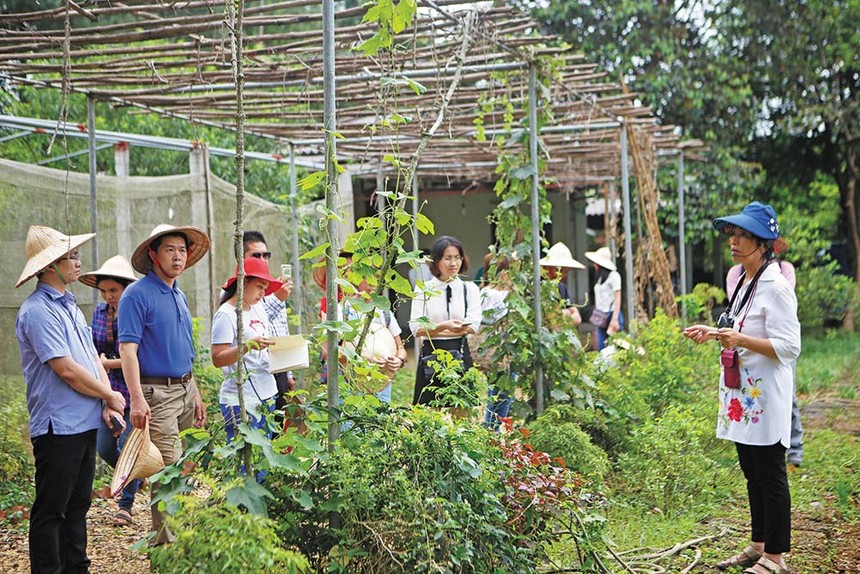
(602, 335)
(795, 450)
(109, 448)
(232, 420)
(498, 407)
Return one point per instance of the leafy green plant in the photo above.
(666, 466)
(553, 432)
(699, 303)
(15, 457)
(823, 295)
(213, 535)
(415, 492)
(454, 387)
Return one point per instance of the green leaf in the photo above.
(415, 86)
(317, 251)
(250, 495)
(392, 159)
(399, 283)
(511, 202)
(303, 499)
(424, 225)
(311, 180)
(522, 172)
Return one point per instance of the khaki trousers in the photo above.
(172, 408)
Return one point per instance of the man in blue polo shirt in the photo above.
(156, 348)
(66, 388)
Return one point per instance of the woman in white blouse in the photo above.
(452, 306)
(756, 382)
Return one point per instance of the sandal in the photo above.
(769, 565)
(749, 557)
(122, 517)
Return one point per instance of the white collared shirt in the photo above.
(759, 413)
(437, 308)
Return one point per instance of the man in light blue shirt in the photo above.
(68, 396)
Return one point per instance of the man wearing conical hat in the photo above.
(68, 396)
(156, 347)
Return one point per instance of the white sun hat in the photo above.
(198, 245)
(602, 257)
(559, 256)
(117, 267)
(45, 245)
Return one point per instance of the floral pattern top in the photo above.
(759, 413)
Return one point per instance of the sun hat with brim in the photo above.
(379, 344)
(602, 257)
(139, 458)
(258, 268)
(318, 271)
(559, 256)
(757, 218)
(117, 267)
(44, 246)
(198, 245)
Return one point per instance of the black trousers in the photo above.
(769, 497)
(65, 465)
(422, 394)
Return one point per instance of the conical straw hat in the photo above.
(44, 246)
(139, 459)
(602, 257)
(117, 267)
(198, 245)
(559, 256)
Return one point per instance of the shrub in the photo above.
(555, 433)
(667, 467)
(215, 536)
(417, 493)
(824, 295)
(16, 462)
(636, 386)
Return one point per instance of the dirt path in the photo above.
(109, 546)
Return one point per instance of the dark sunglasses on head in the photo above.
(262, 255)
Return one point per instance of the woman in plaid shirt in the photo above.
(111, 280)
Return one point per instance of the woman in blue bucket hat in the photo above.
(759, 335)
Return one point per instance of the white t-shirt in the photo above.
(437, 307)
(604, 293)
(759, 413)
(379, 317)
(261, 385)
(493, 305)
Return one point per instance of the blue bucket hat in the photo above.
(757, 218)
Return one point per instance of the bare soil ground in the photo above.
(109, 546)
(822, 540)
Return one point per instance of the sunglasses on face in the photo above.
(262, 255)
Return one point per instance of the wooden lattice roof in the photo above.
(174, 57)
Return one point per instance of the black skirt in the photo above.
(423, 395)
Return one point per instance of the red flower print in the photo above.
(736, 411)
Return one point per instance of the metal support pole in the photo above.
(297, 269)
(415, 206)
(94, 208)
(682, 235)
(628, 230)
(533, 154)
(329, 113)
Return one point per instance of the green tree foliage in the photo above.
(773, 84)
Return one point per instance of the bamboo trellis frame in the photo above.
(174, 58)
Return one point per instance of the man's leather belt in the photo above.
(165, 380)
